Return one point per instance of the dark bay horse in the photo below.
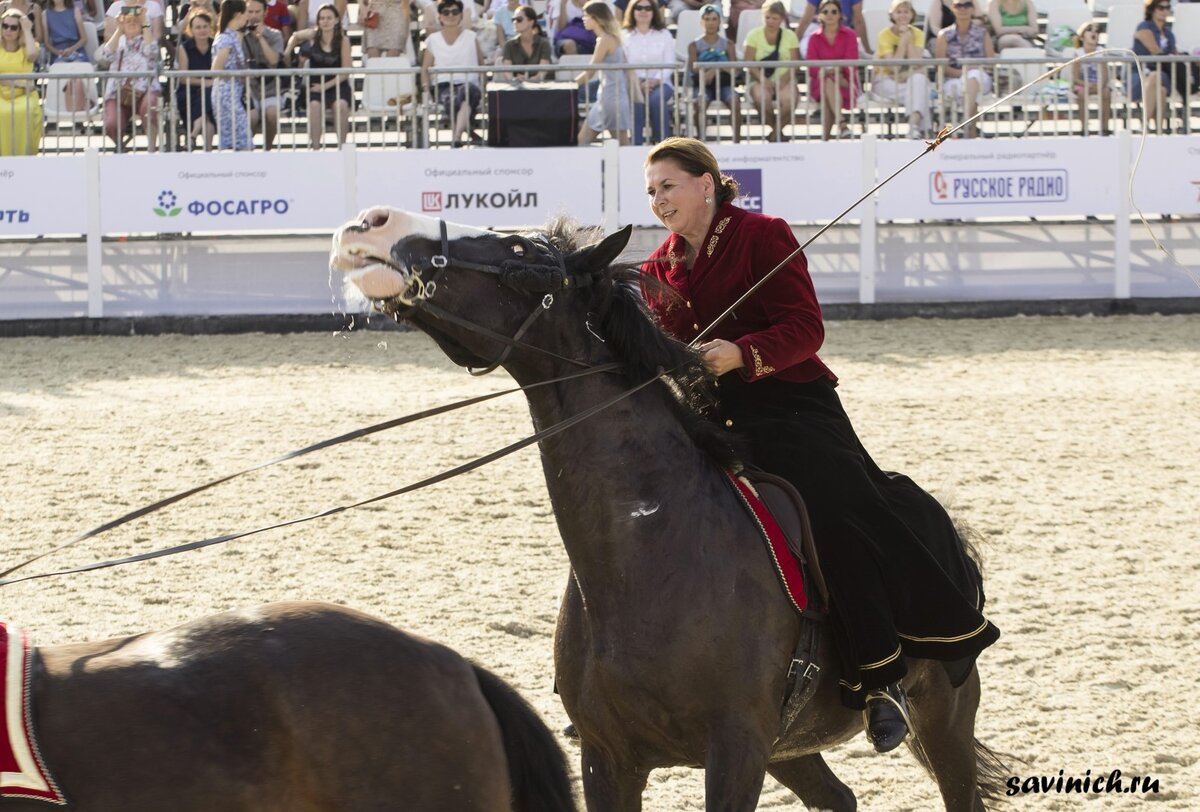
(674, 637)
(288, 707)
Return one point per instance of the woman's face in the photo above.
(772, 21)
(830, 16)
(326, 19)
(131, 22)
(10, 27)
(963, 10)
(903, 16)
(201, 28)
(712, 23)
(677, 198)
(1090, 37)
(588, 22)
(643, 13)
(522, 23)
(1161, 10)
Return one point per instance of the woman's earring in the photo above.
(707, 200)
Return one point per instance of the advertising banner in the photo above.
(798, 182)
(1000, 177)
(1167, 181)
(40, 195)
(223, 192)
(489, 188)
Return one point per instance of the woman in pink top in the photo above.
(834, 89)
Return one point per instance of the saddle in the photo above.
(23, 772)
(779, 511)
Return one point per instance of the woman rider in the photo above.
(900, 584)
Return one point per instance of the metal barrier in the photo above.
(387, 108)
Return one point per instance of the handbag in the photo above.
(371, 20)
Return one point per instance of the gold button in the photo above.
(695, 326)
(689, 304)
(728, 424)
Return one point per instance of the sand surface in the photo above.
(1072, 444)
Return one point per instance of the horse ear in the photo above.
(601, 255)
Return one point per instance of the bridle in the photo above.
(517, 274)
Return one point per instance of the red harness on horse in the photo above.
(23, 774)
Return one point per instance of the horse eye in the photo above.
(518, 249)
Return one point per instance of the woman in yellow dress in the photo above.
(20, 107)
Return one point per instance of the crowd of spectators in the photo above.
(634, 105)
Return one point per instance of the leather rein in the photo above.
(517, 274)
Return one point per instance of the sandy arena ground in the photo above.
(1072, 444)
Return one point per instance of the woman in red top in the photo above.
(900, 584)
(834, 88)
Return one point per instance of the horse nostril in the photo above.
(376, 218)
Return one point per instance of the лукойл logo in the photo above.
(166, 204)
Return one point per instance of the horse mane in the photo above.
(645, 349)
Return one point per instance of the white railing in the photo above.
(385, 108)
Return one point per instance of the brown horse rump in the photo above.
(23, 773)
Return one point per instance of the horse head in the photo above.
(475, 292)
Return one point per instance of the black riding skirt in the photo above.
(900, 581)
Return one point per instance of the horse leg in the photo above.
(733, 772)
(814, 783)
(608, 784)
(944, 720)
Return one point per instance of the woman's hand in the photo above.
(721, 356)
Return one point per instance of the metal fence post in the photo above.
(95, 254)
(868, 249)
(612, 182)
(1121, 248)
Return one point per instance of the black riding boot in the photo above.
(888, 724)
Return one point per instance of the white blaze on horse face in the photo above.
(354, 248)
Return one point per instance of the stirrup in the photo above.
(899, 701)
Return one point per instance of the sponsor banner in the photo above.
(43, 195)
(798, 182)
(489, 188)
(1167, 180)
(1000, 177)
(248, 191)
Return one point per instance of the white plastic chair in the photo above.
(54, 106)
(1187, 27)
(747, 22)
(687, 28)
(91, 40)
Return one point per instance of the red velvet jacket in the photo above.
(779, 328)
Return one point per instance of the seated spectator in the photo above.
(65, 42)
(835, 89)
(713, 83)
(851, 14)
(153, 12)
(966, 39)
(132, 48)
(648, 42)
(503, 15)
(940, 15)
(1089, 77)
(564, 21)
(329, 47)
(307, 10)
(612, 110)
(20, 106)
(33, 10)
(387, 37)
(1014, 23)
(1154, 37)
(278, 17)
(229, 92)
(454, 47)
(264, 51)
(529, 47)
(909, 86)
(773, 41)
(62, 22)
(193, 94)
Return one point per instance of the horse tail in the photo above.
(537, 768)
(991, 773)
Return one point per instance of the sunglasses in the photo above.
(830, 11)
(964, 5)
(453, 12)
(11, 27)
